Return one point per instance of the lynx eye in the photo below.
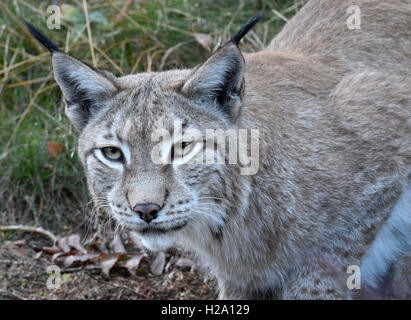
(181, 149)
(112, 153)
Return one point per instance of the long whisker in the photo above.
(95, 215)
(206, 198)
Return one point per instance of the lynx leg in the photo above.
(317, 282)
(229, 293)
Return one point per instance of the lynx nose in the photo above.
(147, 211)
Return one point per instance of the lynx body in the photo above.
(332, 106)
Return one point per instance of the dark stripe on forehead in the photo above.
(147, 89)
(133, 96)
(119, 138)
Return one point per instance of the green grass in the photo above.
(36, 188)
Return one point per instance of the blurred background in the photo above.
(41, 180)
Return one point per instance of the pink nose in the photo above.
(147, 211)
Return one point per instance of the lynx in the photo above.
(332, 106)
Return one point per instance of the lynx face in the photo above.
(148, 173)
(156, 200)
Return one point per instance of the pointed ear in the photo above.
(220, 79)
(85, 89)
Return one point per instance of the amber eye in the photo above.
(112, 153)
(180, 149)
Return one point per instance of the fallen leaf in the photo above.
(184, 263)
(157, 266)
(204, 40)
(63, 244)
(74, 242)
(133, 263)
(117, 245)
(108, 263)
(70, 260)
(18, 243)
(51, 250)
(15, 248)
(55, 256)
(38, 255)
(55, 149)
(120, 15)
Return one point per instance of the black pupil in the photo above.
(112, 150)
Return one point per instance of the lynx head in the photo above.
(142, 139)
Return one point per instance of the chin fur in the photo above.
(157, 242)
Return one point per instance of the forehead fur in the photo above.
(147, 102)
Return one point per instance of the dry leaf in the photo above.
(120, 15)
(15, 248)
(184, 263)
(117, 245)
(108, 264)
(133, 263)
(38, 255)
(70, 260)
(63, 244)
(204, 40)
(50, 250)
(157, 266)
(74, 242)
(55, 256)
(55, 148)
(18, 243)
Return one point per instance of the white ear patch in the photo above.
(211, 77)
(72, 75)
(220, 77)
(85, 89)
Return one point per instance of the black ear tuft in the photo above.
(41, 38)
(220, 78)
(246, 27)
